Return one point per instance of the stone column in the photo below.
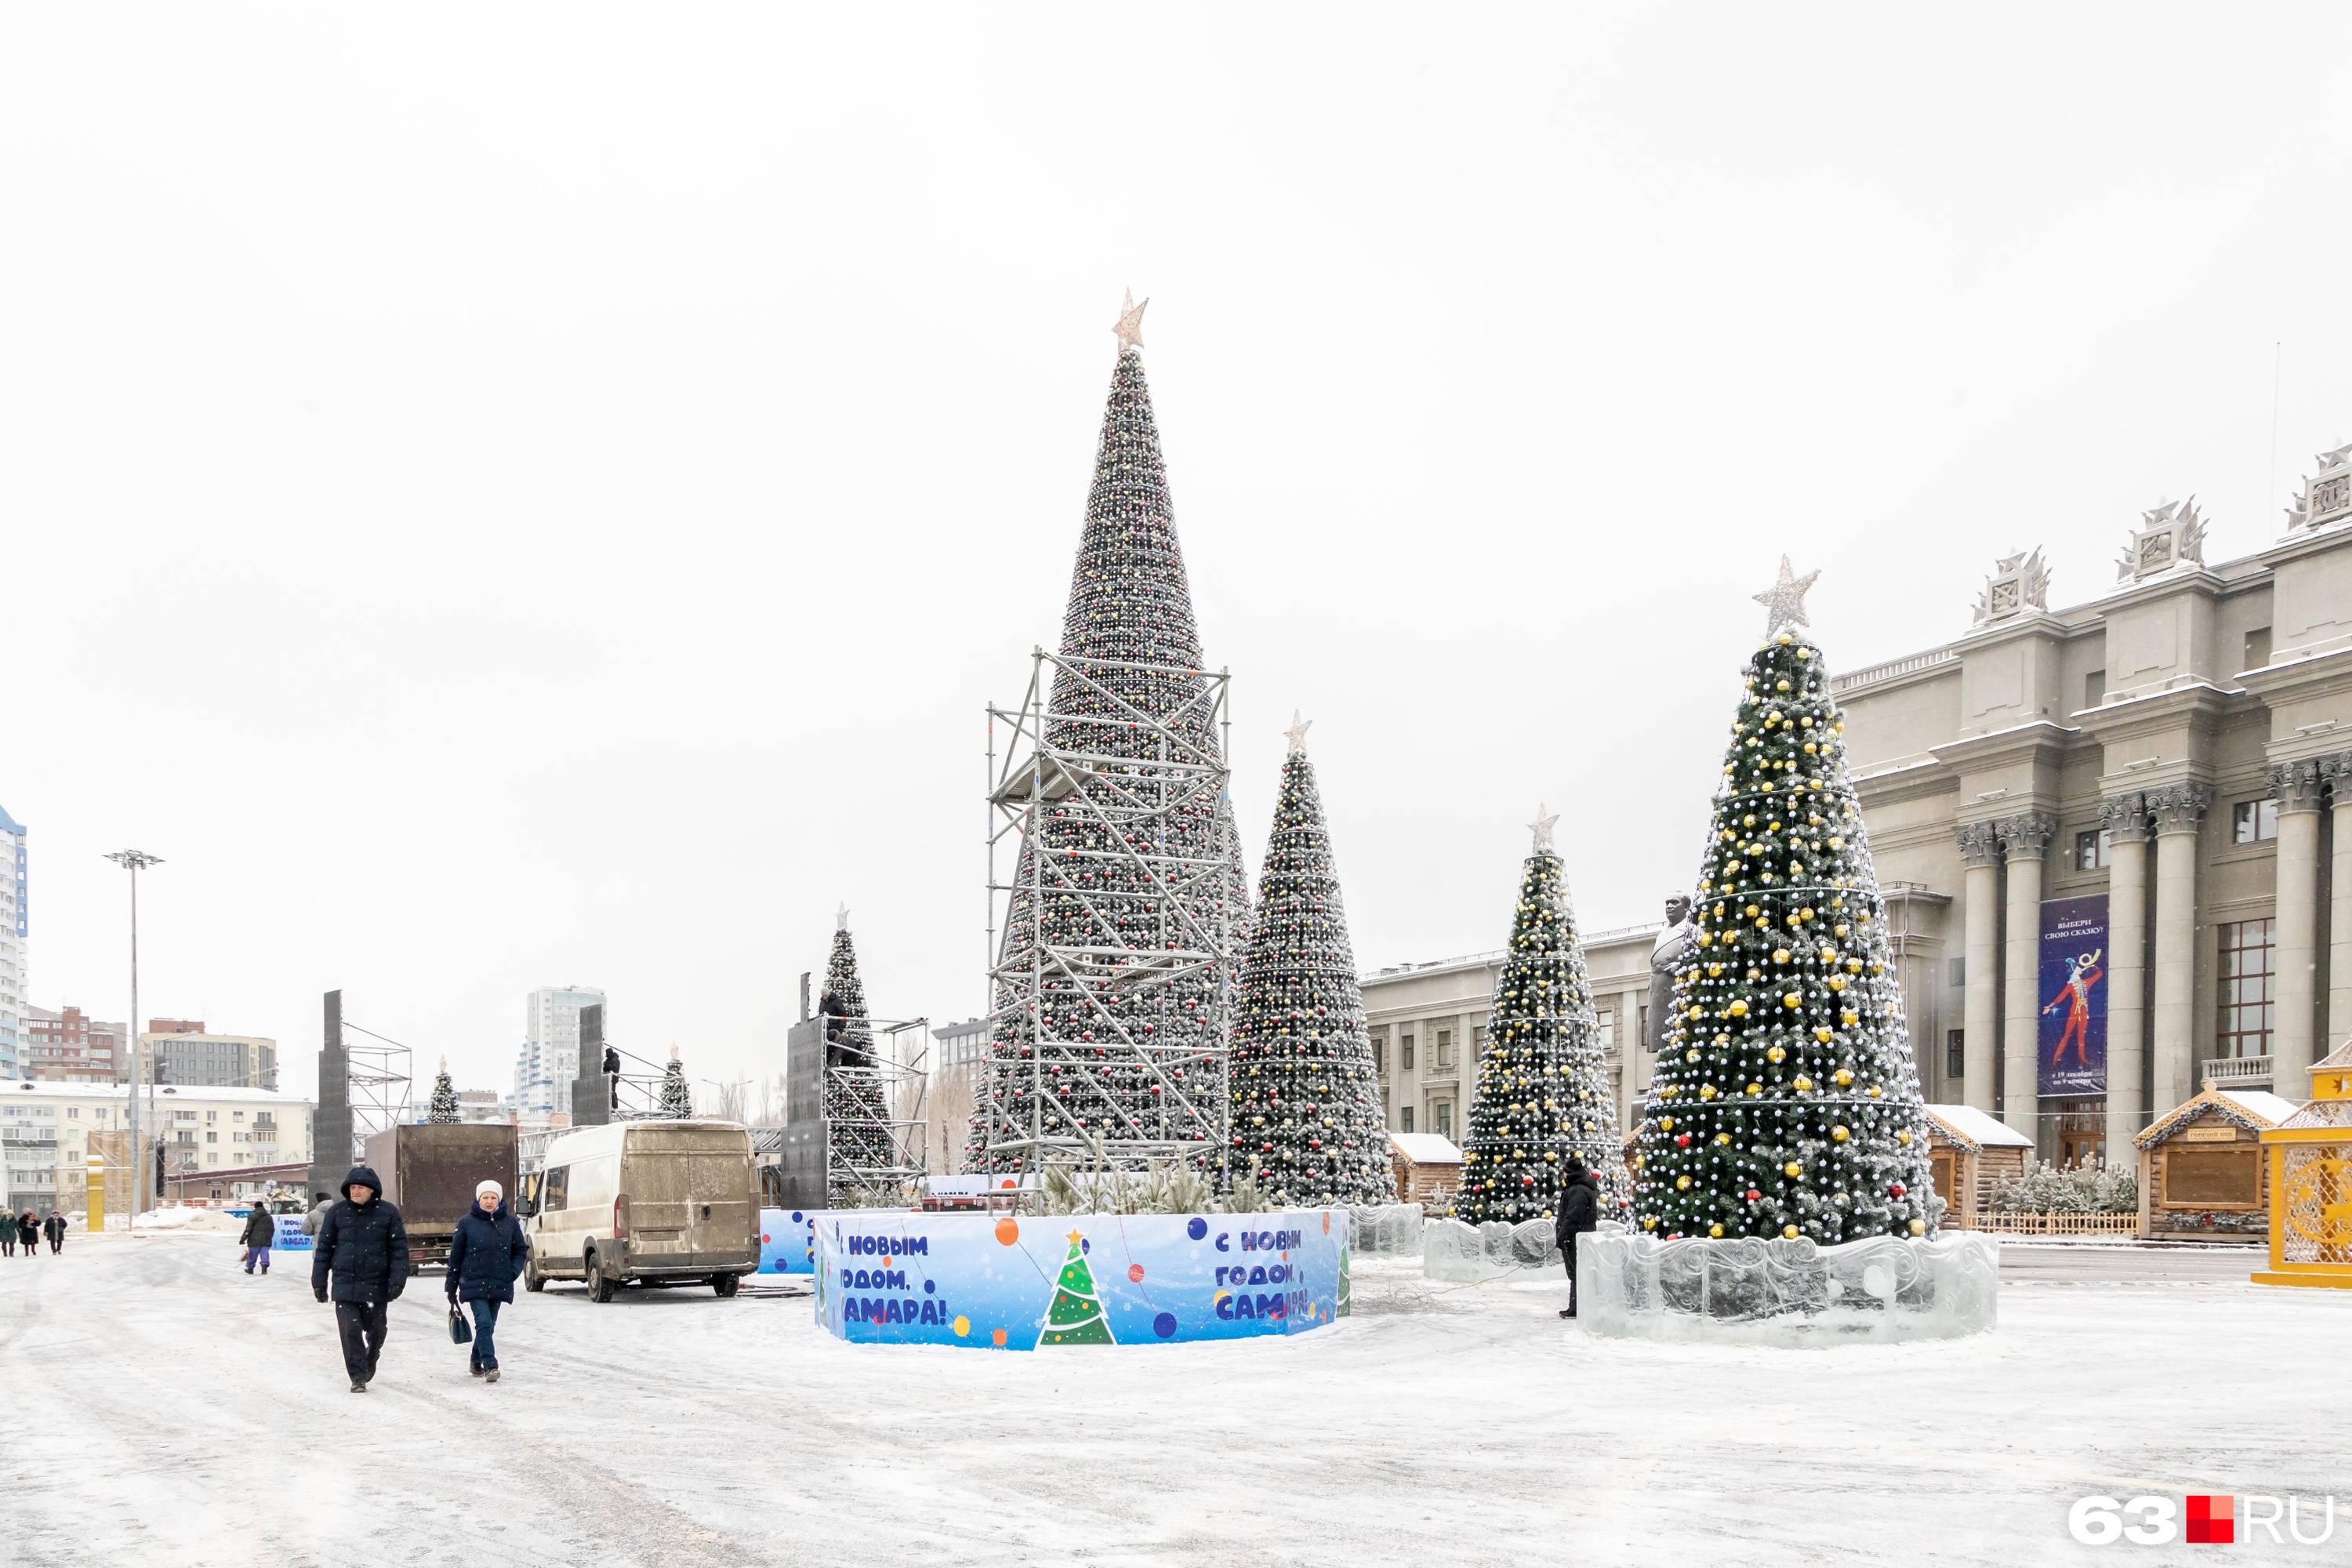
(2124, 818)
(2178, 810)
(2335, 771)
(2024, 840)
(2296, 787)
(1980, 962)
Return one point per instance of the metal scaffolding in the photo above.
(874, 1089)
(1111, 981)
(379, 1077)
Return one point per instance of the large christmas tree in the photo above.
(677, 1099)
(1542, 1089)
(1785, 1103)
(1139, 864)
(856, 1104)
(1305, 1101)
(445, 1097)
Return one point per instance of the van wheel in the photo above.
(600, 1284)
(725, 1284)
(532, 1280)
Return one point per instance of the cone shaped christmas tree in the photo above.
(676, 1100)
(1074, 1317)
(1786, 1101)
(1542, 1089)
(1090, 926)
(445, 1097)
(1305, 1101)
(855, 1102)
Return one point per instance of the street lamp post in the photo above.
(135, 861)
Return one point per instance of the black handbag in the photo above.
(460, 1332)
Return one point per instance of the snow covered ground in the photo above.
(158, 1406)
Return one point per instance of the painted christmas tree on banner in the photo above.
(1542, 1088)
(1074, 1317)
(1786, 1101)
(1307, 1120)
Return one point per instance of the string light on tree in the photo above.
(1306, 1102)
(1541, 1090)
(1785, 1103)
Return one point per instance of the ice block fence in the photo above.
(1746, 1290)
(1038, 1281)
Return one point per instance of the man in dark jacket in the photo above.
(1580, 1211)
(363, 1252)
(260, 1230)
(484, 1256)
(53, 1227)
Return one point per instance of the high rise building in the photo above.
(69, 1047)
(12, 929)
(550, 1058)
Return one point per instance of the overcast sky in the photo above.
(500, 498)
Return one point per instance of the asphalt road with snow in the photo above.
(158, 1406)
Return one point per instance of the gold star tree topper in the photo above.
(1298, 733)
(1786, 599)
(1129, 329)
(1541, 827)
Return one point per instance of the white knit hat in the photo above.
(489, 1186)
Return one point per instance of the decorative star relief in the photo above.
(1786, 599)
(1297, 733)
(1541, 827)
(1129, 328)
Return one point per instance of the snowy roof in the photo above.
(2341, 1057)
(1426, 1148)
(47, 1089)
(1976, 1129)
(2249, 1108)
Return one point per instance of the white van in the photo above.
(656, 1202)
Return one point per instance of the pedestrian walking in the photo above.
(260, 1230)
(28, 1233)
(1580, 1211)
(486, 1257)
(363, 1259)
(55, 1227)
(317, 1214)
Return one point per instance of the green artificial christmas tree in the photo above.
(445, 1097)
(1098, 906)
(1542, 1089)
(856, 1104)
(1305, 1101)
(1076, 1316)
(675, 1099)
(1786, 1101)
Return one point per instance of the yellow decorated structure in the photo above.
(2310, 1159)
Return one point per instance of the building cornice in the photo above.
(2196, 700)
(2197, 578)
(2037, 740)
(2315, 541)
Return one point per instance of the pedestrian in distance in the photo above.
(1579, 1212)
(28, 1233)
(260, 1230)
(317, 1214)
(55, 1227)
(363, 1259)
(485, 1258)
(7, 1234)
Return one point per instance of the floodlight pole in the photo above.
(134, 861)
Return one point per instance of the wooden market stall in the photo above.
(2200, 1166)
(2307, 1159)
(1968, 1150)
(1428, 1167)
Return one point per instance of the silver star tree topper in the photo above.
(1298, 733)
(1542, 826)
(1786, 599)
(1129, 329)
(841, 918)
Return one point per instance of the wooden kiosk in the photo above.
(2308, 1158)
(1968, 1150)
(2200, 1166)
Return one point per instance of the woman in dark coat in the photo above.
(28, 1233)
(260, 1230)
(486, 1256)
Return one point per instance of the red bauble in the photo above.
(1754, 1197)
(1681, 1139)
(1896, 1191)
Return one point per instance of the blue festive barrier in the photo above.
(1000, 1282)
(787, 1241)
(290, 1235)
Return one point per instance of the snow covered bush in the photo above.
(2092, 1187)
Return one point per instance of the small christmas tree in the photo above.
(1785, 1103)
(1075, 1317)
(1306, 1102)
(675, 1099)
(445, 1097)
(1541, 1092)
